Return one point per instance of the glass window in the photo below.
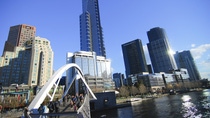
(91, 67)
(85, 65)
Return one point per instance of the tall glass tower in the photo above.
(91, 35)
(134, 58)
(160, 51)
(185, 59)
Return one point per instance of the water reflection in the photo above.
(187, 105)
(189, 109)
(205, 103)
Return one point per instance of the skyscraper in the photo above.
(18, 35)
(159, 50)
(91, 35)
(184, 59)
(134, 58)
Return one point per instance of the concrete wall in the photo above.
(104, 100)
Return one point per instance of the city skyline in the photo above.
(186, 24)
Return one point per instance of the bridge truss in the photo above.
(53, 83)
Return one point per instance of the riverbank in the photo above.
(124, 99)
(120, 103)
(123, 102)
(164, 107)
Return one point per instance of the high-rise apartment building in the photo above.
(134, 58)
(159, 50)
(30, 62)
(96, 69)
(41, 63)
(91, 35)
(184, 59)
(15, 66)
(18, 35)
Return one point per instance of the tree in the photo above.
(133, 90)
(187, 85)
(96, 90)
(123, 91)
(142, 89)
(169, 86)
(177, 86)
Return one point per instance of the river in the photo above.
(186, 105)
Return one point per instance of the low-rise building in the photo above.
(96, 69)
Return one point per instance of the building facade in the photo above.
(18, 35)
(160, 52)
(15, 66)
(159, 81)
(30, 64)
(150, 69)
(134, 58)
(118, 79)
(91, 35)
(184, 59)
(181, 75)
(41, 64)
(96, 69)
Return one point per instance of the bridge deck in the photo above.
(65, 112)
(61, 115)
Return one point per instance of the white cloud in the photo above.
(192, 45)
(203, 68)
(198, 51)
(202, 59)
(204, 64)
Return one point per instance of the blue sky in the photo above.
(186, 22)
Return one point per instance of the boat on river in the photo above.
(134, 100)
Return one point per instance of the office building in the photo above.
(184, 59)
(118, 79)
(134, 58)
(181, 75)
(91, 35)
(155, 81)
(159, 81)
(160, 52)
(149, 66)
(96, 69)
(18, 35)
(30, 64)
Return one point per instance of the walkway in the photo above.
(65, 112)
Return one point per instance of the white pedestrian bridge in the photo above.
(83, 111)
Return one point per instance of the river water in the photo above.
(186, 105)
